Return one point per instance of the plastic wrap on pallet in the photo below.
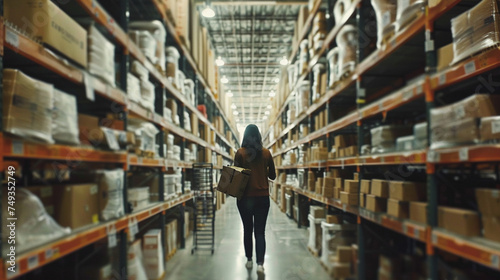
(420, 134)
(405, 143)
(27, 106)
(384, 137)
(34, 226)
(318, 70)
(453, 133)
(154, 49)
(101, 56)
(475, 30)
(133, 88)
(333, 66)
(135, 266)
(315, 234)
(385, 12)
(148, 95)
(111, 193)
(65, 118)
(303, 57)
(335, 235)
(490, 129)
(474, 106)
(145, 134)
(409, 10)
(302, 98)
(347, 41)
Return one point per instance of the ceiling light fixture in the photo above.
(219, 61)
(267, 113)
(224, 80)
(284, 61)
(235, 113)
(276, 80)
(272, 93)
(233, 106)
(230, 93)
(208, 12)
(264, 117)
(269, 106)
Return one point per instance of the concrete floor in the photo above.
(287, 257)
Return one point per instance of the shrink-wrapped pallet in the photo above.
(385, 13)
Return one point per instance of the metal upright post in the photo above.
(1, 124)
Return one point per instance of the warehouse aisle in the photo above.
(286, 257)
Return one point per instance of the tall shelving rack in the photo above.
(380, 87)
(14, 149)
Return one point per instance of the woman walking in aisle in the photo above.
(254, 206)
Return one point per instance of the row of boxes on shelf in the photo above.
(333, 241)
(58, 209)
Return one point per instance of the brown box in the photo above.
(376, 204)
(362, 200)
(488, 201)
(461, 221)
(351, 186)
(336, 192)
(90, 132)
(342, 141)
(407, 191)
(339, 183)
(491, 227)
(233, 181)
(355, 176)
(311, 185)
(341, 270)
(489, 128)
(349, 198)
(334, 219)
(328, 182)
(46, 196)
(328, 192)
(462, 131)
(365, 186)
(418, 212)
(380, 188)
(398, 209)
(317, 212)
(42, 19)
(27, 106)
(76, 205)
(444, 56)
(344, 253)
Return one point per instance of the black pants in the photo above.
(253, 212)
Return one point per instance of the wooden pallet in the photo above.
(169, 256)
(313, 251)
(328, 269)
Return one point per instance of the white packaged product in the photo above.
(405, 143)
(101, 56)
(303, 57)
(167, 114)
(420, 133)
(180, 77)
(157, 29)
(189, 90)
(135, 268)
(133, 88)
(111, 193)
(347, 41)
(291, 70)
(169, 185)
(153, 254)
(315, 231)
(177, 152)
(383, 138)
(409, 10)
(34, 226)
(65, 118)
(27, 106)
(333, 66)
(146, 42)
(148, 95)
(138, 197)
(187, 121)
(318, 70)
(139, 70)
(144, 132)
(172, 63)
(302, 99)
(385, 12)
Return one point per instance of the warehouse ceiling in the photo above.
(251, 38)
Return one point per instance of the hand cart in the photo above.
(204, 213)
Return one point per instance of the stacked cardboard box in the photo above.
(342, 267)
(418, 212)
(76, 205)
(376, 201)
(316, 217)
(364, 190)
(350, 192)
(388, 268)
(152, 254)
(311, 181)
(461, 221)
(488, 201)
(401, 194)
(345, 146)
(171, 237)
(328, 187)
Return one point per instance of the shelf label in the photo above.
(432, 156)
(11, 38)
(133, 228)
(49, 253)
(463, 154)
(416, 233)
(344, 207)
(429, 45)
(434, 239)
(495, 126)
(470, 67)
(110, 138)
(495, 261)
(442, 79)
(342, 163)
(89, 87)
(111, 232)
(17, 147)
(407, 95)
(420, 89)
(32, 262)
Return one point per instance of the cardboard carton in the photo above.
(317, 212)
(233, 181)
(488, 201)
(418, 212)
(334, 219)
(362, 200)
(365, 186)
(42, 19)
(407, 191)
(380, 188)
(491, 226)
(76, 205)
(398, 209)
(336, 192)
(376, 204)
(349, 198)
(444, 56)
(341, 270)
(344, 253)
(461, 221)
(97, 272)
(328, 192)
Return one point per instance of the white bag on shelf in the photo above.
(101, 56)
(65, 118)
(111, 193)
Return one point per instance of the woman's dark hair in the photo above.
(252, 138)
